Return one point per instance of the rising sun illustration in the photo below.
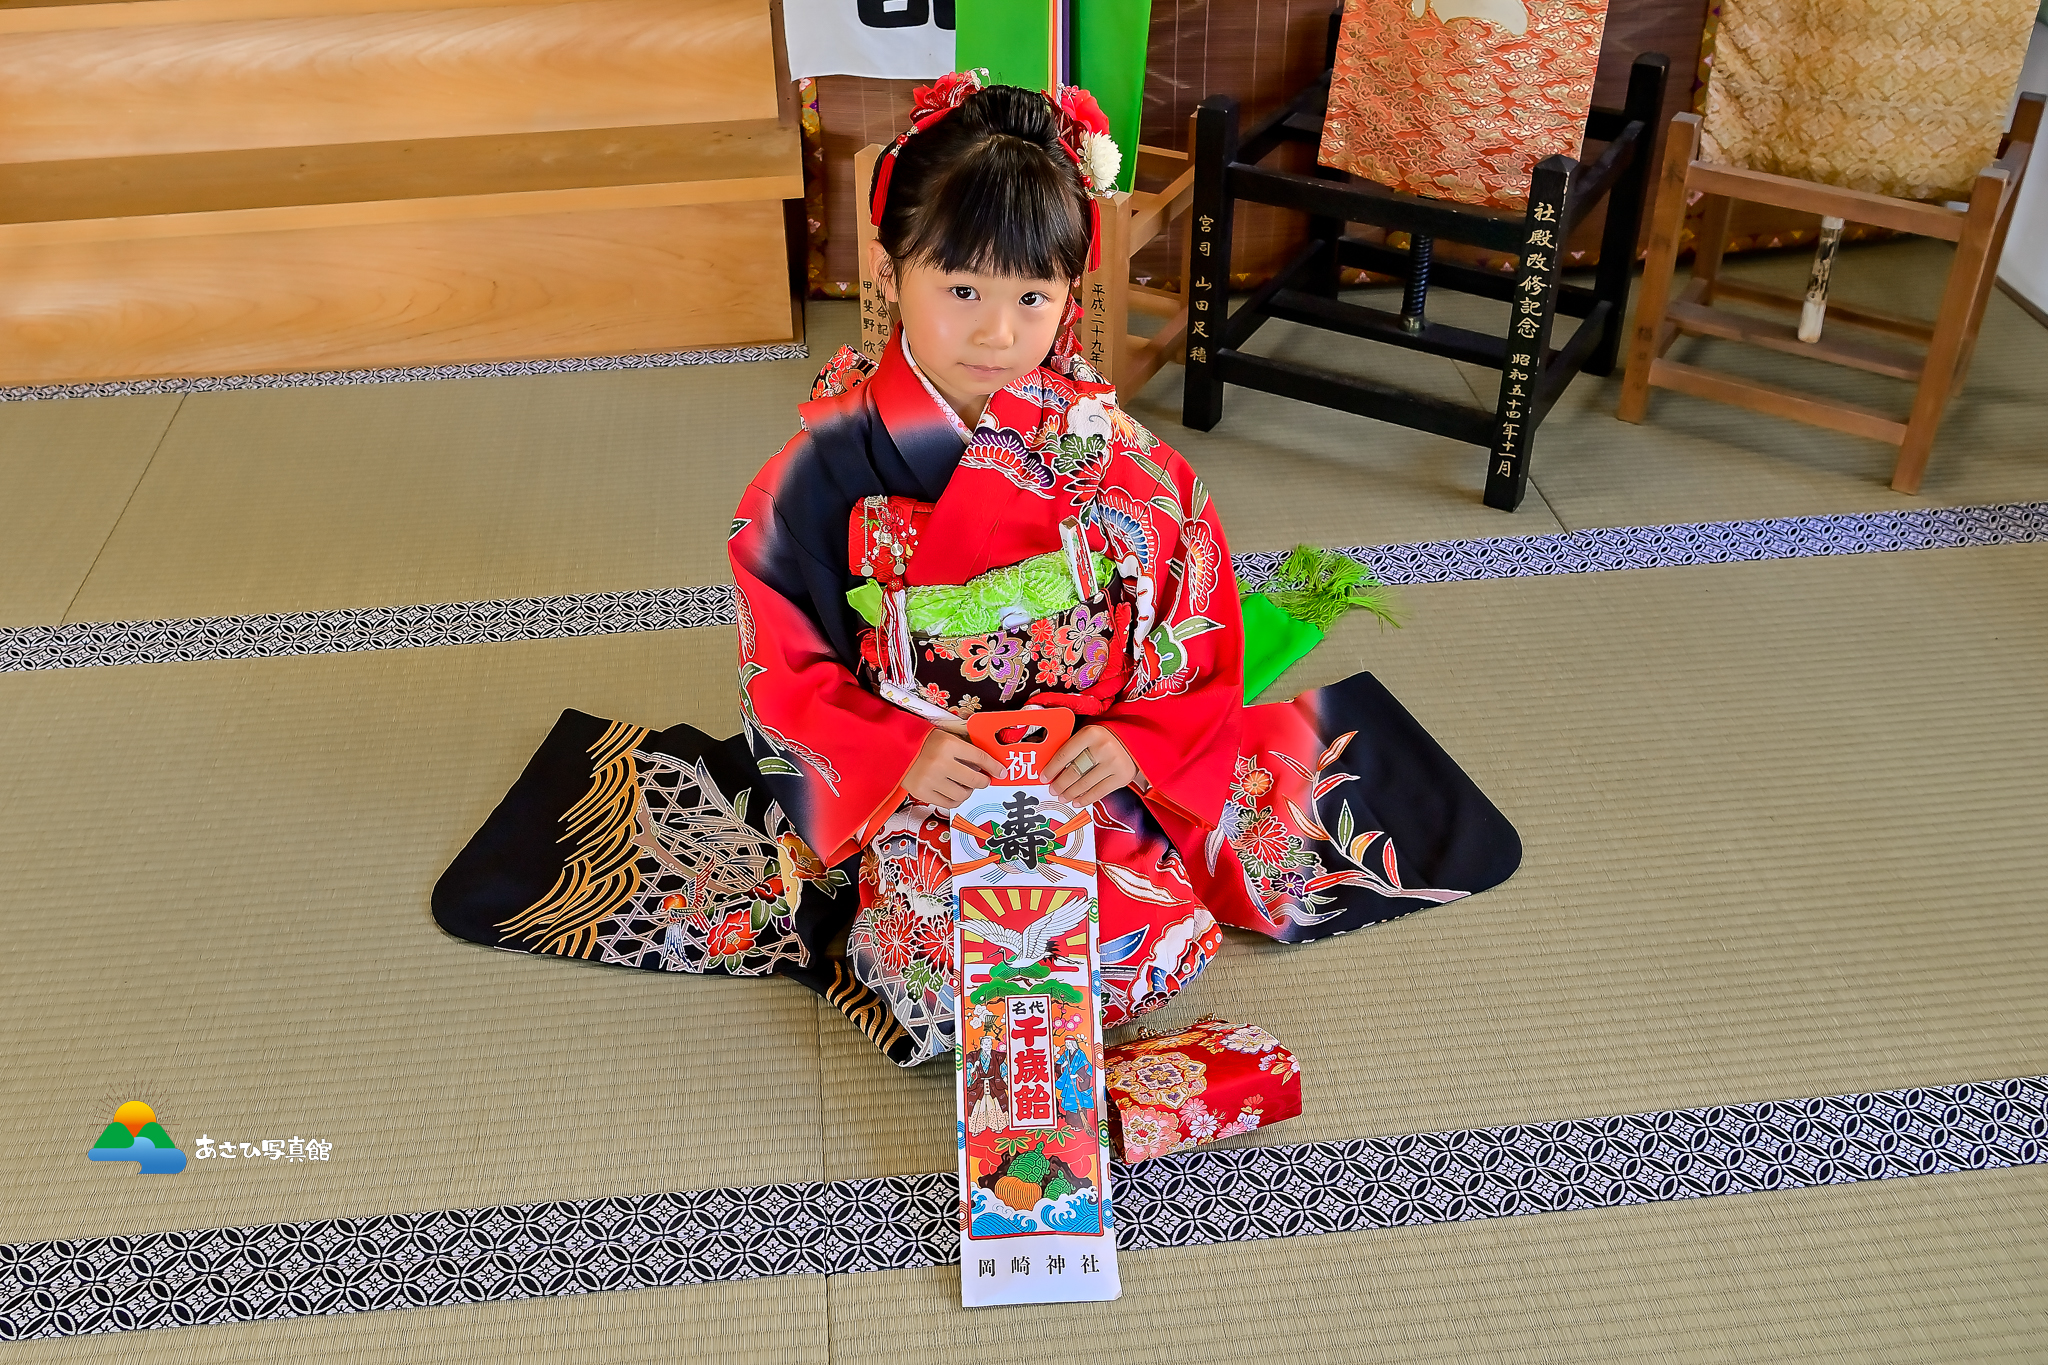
(133, 1115)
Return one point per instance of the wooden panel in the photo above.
(402, 294)
(273, 188)
(54, 16)
(1804, 196)
(1837, 312)
(383, 77)
(1695, 320)
(853, 112)
(1776, 401)
(1261, 52)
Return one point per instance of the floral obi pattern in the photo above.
(1050, 630)
(1213, 1081)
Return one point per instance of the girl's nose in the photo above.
(998, 333)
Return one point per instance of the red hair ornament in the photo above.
(1084, 137)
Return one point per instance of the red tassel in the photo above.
(1094, 233)
(881, 192)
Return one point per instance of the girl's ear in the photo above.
(882, 271)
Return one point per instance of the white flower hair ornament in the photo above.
(1084, 133)
(1101, 159)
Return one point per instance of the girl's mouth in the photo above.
(983, 371)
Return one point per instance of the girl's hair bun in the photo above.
(989, 188)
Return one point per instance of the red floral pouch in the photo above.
(1213, 1081)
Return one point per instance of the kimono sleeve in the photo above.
(1180, 716)
(830, 751)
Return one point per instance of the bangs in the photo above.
(1002, 209)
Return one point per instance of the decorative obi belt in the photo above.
(1049, 626)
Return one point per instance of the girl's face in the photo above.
(972, 333)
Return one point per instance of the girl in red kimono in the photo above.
(973, 523)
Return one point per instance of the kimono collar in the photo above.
(951, 414)
(924, 430)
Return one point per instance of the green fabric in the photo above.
(1273, 642)
(1012, 39)
(1039, 587)
(867, 600)
(1310, 592)
(1110, 40)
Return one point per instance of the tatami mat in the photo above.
(1941, 1269)
(1780, 824)
(380, 494)
(66, 473)
(369, 495)
(1780, 819)
(217, 898)
(750, 1322)
(1730, 892)
(1696, 460)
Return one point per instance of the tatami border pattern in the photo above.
(123, 388)
(277, 634)
(96, 644)
(523, 1251)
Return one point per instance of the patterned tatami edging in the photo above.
(343, 632)
(122, 388)
(524, 1251)
(95, 644)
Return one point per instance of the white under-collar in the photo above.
(959, 427)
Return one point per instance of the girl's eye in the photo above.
(963, 292)
(1032, 299)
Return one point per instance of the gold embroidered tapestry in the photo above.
(1459, 99)
(1900, 97)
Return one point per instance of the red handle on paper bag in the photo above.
(1022, 762)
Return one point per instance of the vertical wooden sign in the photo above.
(1534, 304)
(1036, 1222)
(1105, 293)
(877, 315)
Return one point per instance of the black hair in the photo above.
(988, 188)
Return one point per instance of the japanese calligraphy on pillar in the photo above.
(875, 319)
(1507, 470)
(1203, 313)
(1036, 1222)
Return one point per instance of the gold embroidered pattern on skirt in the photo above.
(864, 1009)
(600, 873)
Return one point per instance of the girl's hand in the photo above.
(1109, 766)
(947, 770)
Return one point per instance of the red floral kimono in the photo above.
(895, 572)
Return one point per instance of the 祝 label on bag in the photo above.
(1036, 1224)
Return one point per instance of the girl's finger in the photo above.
(986, 763)
(1064, 755)
(1094, 791)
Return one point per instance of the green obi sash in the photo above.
(1039, 587)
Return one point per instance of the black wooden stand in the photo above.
(1533, 374)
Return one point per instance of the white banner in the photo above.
(894, 39)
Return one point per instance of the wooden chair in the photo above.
(1936, 367)
(1131, 220)
(1533, 373)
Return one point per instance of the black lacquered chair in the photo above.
(1533, 373)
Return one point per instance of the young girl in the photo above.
(974, 524)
